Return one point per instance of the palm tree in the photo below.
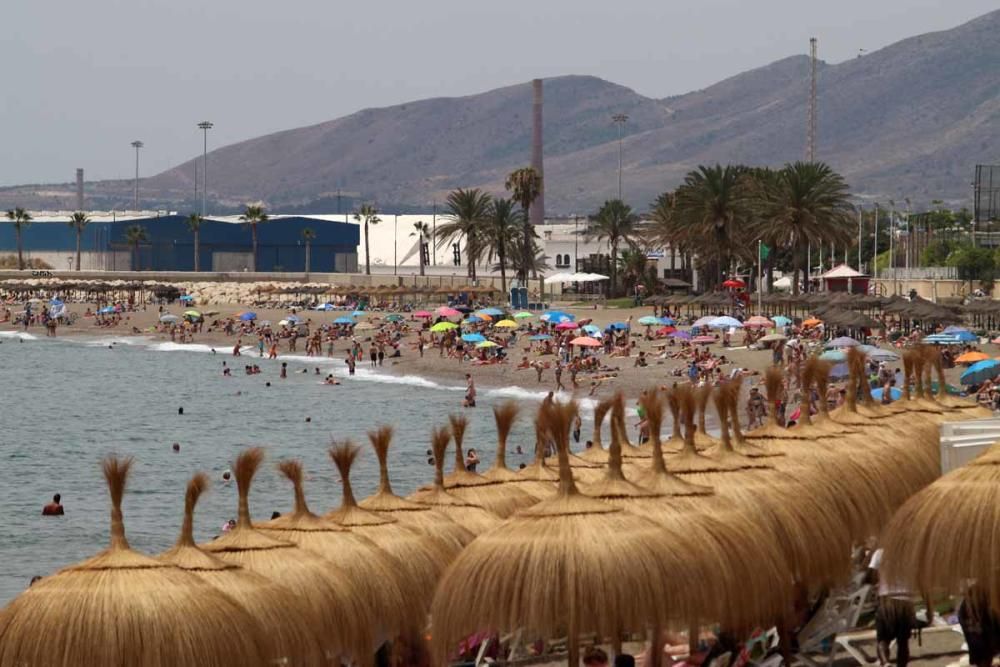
(803, 203)
(422, 230)
(712, 205)
(468, 210)
(634, 265)
(525, 185)
(614, 222)
(308, 235)
(21, 219)
(503, 224)
(134, 235)
(369, 215)
(193, 222)
(78, 221)
(254, 215)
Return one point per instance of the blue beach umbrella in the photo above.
(473, 338)
(981, 371)
(55, 302)
(293, 318)
(781, 320)
(472, 319)
(839, 371)
(540, 337)
(557, 316)
(649, 320)
(667, 321)
(591, 328)
(107, 309)
(343, 319)
(835, 356)
(617, 326)
(725, 322)
(492, 312)
(942, 339)
(895, 394)
(961, 333)
(246, 317)
(187, 297)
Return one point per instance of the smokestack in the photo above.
(537, 214)
(79, 189)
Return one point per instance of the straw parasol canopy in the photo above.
(596, 452)
(466, 514)
(423, 557)
(123, 608)
(501, 499)
(323, 590)
(556, 568)
(504, 414)
(379, 577)
(275, 608)
(415, 515)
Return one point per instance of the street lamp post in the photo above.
(204, 126)
(137, 145)
(576, 243)
(395, 244)
(620, 119)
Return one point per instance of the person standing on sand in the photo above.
(559, 372)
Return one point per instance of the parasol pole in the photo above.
(760, 289)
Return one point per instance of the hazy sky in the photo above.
(82, 80)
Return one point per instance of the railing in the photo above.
(963, 441)
(920, 273)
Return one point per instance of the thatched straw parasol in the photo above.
(537, 479)
(689, 460)
(289, 628)
(944, 537)
(466, 514)
(969, 408)
(501, 499)
(596, 452)
(412, 514)
(123, 608)
(504, 414)
(423, 557)
(557, 568)
(656, 478)
(378, 576)
(323, 590)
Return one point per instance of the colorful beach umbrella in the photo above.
(506, 324)
(584, 341)
(942, 339)
(683, 335)
(667, 321)
(540, 337)
(981, 371)
(971, 357)
(649, 320)
(423, 314)
(187, 297)
(394, 318)
(758, 321)
(494, 312)
(812, 322)
(557, 316)
(895, 394)
(770, 338)
(781, 321)
(617, 326)
(842, 342)
(522, 315)
(474, 319)
(703, 322)
(107, 309)
(247, 317)
(734, 283)
(591, 328)
(473, 337)
(725, 322)
(835, 356)
(192, 313)
(168, 318)
(445, 311)
(487, 343)
(565, 326)
(443, 326)
(344, 319)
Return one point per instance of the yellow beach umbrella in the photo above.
(506, 324)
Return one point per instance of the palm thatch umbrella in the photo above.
(415, 515)
(501, 499)
(596, 452)
(123, 608)
(289, 628)
(379, 577)
(537, 479)
(556, 568)
(970, 408)
(324, 591)
(945, 536)
(470, 516)
(504, 414)
(423, 557)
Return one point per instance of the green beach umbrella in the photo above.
(487, 343)
(443, 326)
(192, 313)
(395, 318)
(522, 315)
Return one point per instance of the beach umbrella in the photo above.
(757, 321)
(540, 337)
(487, 343)
(394, 318)
(617, 326)
(557, 316)
(843, 341)
(186, 297)
(961, 333)
(344, 319)
(566, 326)
(365, 326)
(463, 309)
(704, 340)
(443, 326)
(878, 354)
(423, 557)
(467, 514)
(379, 576)
(702, 322)
(293, 318)
(584, 341)
(193, 314)
(667, 321)
(289, 628)
(423, 314)
(941, 339)
(359, 313)
(522, 315)
(474, 319)
(506, 324)
(110, 309)
(771, 338)
(556, 568)
(812, 322)
(649, 320)
(421, 518)
(121, 607)
(445, 311)
(323, 591)
(591, 329)
(501, 499)
(55, 302)
(781, 321)
(684, 335)
(473, 337)
(981, 371)
(725, 322)
(493, 312)
(247, 317)
(833, 355)
(168, 318)
(895, 394)
(971, 357)
(324, 306)
(734, 283)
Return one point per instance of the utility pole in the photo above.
(620, 119)
(205, 126)
(875, 248)
(395, 243)
(576, 243)
(861, 210)
(434, 230)
(812, 122)
(137, 145)
(892, 243)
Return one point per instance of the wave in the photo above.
(181, 347)
(367, 375)
(104, 341)
(18, 334)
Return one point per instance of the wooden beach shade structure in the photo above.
(945, 536)
(596, 452)
(559, 568)
(323, 590)
(123, 608)
(288, 627)
(378, 576)
(463, 512)
(501, 499)
(415, 515)
(537, 479)
(504, 415)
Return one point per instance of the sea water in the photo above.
(68, 403)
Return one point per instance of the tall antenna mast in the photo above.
(811, 131)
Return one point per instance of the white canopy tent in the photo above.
(575, 278)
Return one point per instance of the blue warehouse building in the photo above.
(225, 243)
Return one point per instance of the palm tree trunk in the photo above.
(79, 233)
(502, 260)
(421, 253)
(253, 260)
(470, 251)
(368, 266)
(20, 249)
(135, 256)
(526, 250)
(197, 250)
(614, 269)
(308, 253)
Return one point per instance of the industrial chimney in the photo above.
(79, 189)
(537, 214)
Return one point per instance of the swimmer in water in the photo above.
(227, 476)
(54, 508)
(177, 447)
